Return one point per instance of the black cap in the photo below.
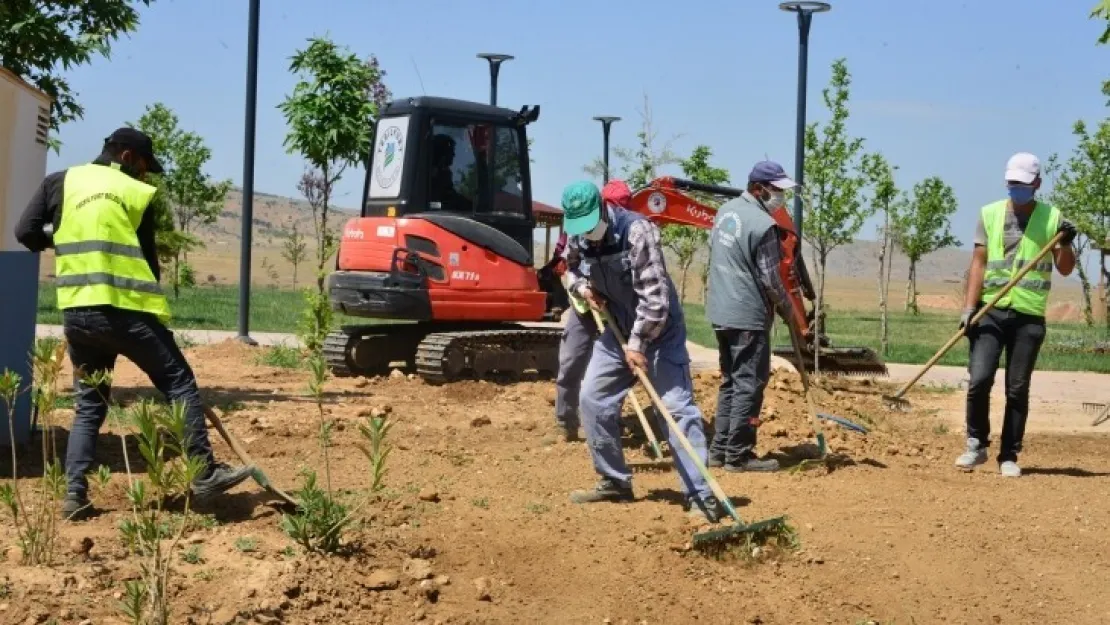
(139, 141)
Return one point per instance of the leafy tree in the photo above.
(294, 250)
(1102, 11)
(191, 197)
(885, 198)
(686, 241)
(41, 40)
(329, 114)
(924, 228)
(834, 211)
(642, 164)
(1082, 191)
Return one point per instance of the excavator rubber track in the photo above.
(838, 361)
(443, 357)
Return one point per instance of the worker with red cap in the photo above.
(579, 333)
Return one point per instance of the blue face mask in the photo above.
(1020, 194)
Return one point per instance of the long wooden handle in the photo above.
(642, 376)
(983, 311)
(244, 457)
(655, 448)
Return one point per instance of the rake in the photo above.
(895, 401)
(259, 476)
(1103, 416)
(715, 538)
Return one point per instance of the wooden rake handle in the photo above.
(679, 434)
(636, 405)
(982, 311)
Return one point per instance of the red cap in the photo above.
(616, 192)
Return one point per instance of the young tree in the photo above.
(329, 114)
(924, 228)
(834, 211)
(686, 241)
(1082, 191)
(294, 250)
(191, 196)
(886, 199)
(42, 40)
(642, 164)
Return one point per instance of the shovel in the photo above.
(235, 446)
(895, 401)
(659, 462)
(713, 538)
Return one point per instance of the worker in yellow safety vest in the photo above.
(1009, 236)
(96, 218)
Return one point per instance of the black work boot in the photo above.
(220, 479)
(707, 509)
(568, 432)
(753, 465)
(76, 507)
(606, 490)
(715, 461)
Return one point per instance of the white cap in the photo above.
(1023, 167)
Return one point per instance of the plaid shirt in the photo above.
(768, 257)
(649, 280)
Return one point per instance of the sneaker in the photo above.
(706, 510)
(975, 455)
(606, 490)
(76, 507)
(753, 465)
(221, 479)
(1009, 469)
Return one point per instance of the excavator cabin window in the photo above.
(475, 169)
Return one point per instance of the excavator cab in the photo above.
(445, 240)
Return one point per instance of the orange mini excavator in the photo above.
(675, 201)
(444, 248)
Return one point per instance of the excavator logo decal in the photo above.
(657, 202)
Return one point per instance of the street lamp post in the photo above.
(805, 11)
(248, 177)
(495, 61)
(606, 122)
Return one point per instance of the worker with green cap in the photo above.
(615, 263)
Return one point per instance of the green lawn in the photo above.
(914, 339)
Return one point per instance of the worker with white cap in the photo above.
(1009, 235)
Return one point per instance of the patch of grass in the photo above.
(64, 401)
(282, 356)
(538, 508)
(289, 552)
(5, 590)
(916, 338)
(480, 502)
(204, 575)
(940, 429)
(232, 406)
(246, 544)
(192, 555)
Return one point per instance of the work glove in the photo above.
(1068, 228)
(965, 318)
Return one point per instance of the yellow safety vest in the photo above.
(98, 259)
(1030, 294)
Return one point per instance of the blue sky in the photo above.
(945, 87)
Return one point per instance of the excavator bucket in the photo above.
(837, 361)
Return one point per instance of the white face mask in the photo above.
(776, 200)
(598, 232)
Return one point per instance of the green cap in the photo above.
(581, 208)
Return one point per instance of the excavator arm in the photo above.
(675, 201)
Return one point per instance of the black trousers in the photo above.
(96, 337)
(745, 359)
(1021, 337)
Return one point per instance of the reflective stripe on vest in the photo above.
(1030, 294)
(98, 259)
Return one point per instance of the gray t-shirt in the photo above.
(1012, 231)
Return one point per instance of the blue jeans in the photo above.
(574, 356)
(96, 336)
(608, 380)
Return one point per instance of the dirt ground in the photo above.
(475, 525)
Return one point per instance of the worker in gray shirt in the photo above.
(745, 288)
